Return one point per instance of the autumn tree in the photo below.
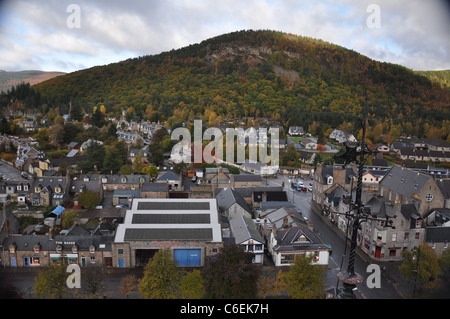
(128, 284)
(161, 277)
(51, 282)
(192, 285)
(304, 280)
(420, 266)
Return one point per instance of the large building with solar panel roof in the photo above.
(188, 227)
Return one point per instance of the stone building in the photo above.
(405, 186)
(188, 227)
(78, 245)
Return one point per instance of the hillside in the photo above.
(440, 77)
(9, 79)
(285, 77)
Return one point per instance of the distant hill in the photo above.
(10, 79)
(296, 80)
(440, 77)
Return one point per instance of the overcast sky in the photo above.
(51, 35)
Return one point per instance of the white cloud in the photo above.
(34, 33)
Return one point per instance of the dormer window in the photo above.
(92, 249)
(25, 187)
(12, 249)
(37, 189)
(19, 187)
(58, 249)
(104, 180)
(124, 179)
(58, 189)
(74, 248)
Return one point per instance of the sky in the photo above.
(70, 35)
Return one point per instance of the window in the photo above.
(379, 236)
(74, 249)
(37, 249)
(58, 249)
(394, 237)
(92, 249)
(92, 259)
(19, 187)
(406, 236)
(392, 252)
(25, 187)
(429, 197)
(330, 180)
(120, 251)
(417, 236)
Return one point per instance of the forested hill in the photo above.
(270, 74)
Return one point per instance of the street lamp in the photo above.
(356, 153)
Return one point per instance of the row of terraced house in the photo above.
(418, 204)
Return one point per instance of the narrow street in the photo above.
(329, 235)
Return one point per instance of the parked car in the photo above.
(310, 188)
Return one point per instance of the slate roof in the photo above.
(247, 178)
(244, 229)
(288, 239)
(437, 234)
(229, 196)
(444, 186)
(84, 240)
(154, 187)
(169, 176)
(404, 181)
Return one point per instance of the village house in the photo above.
(78, 246)
(296, 131)
(285, 245)
(154, 190)
(246, 236)
(128, 182)
(404, 186)
(50, 191)
(232, 204)
(172, 179)
(326, 177)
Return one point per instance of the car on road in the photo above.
(310, 188)
(294, 185)
(121, 206)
